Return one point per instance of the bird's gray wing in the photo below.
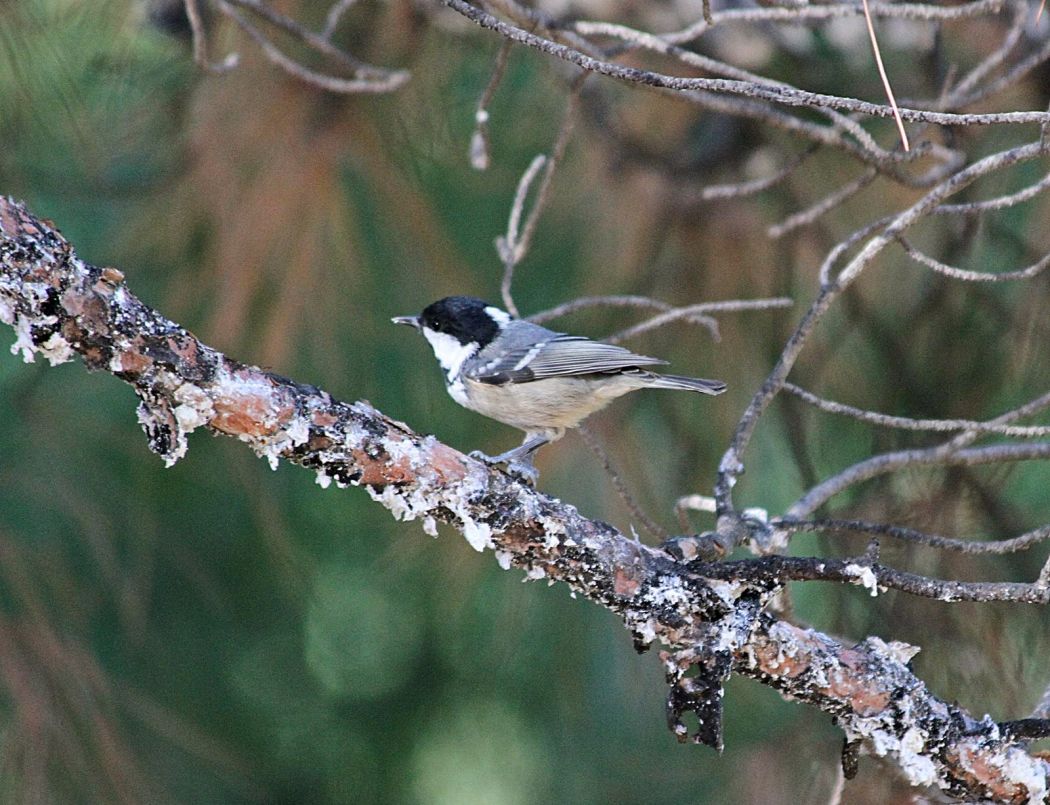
(557, 356)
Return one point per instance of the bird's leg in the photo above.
(519, 460)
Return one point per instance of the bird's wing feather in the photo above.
(560, 356)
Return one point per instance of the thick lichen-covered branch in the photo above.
(62, 308)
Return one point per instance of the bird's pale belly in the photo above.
(542, 405)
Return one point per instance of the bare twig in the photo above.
(691, 314)
(1016, 544)
(660, 45)
(479, 140)
(768, 92)
(200, 43)
(513, 247)
(698, 314)
(997, 203)
(991, 62)
(595, 446)
(585, 302)
(907, 423)
(317, 42)
(730, 466)
(200, 46)
(822, 12)
(507, 245)
(1009, 79)
(885, 78)
(335, 16)
(872, 575)
(975, 276)
(716, 192)
(822, 207)
(388, 83)
(951, 453)
(905, 459)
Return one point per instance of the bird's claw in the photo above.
(521, 470)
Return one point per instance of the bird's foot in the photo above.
(522, 471)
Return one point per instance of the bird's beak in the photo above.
(411, 321)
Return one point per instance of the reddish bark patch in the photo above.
(132, 362)
(112, 276)
(973, 765)
(449, 464)
(244, 414)
(376, 472)
(776, 663)
(858, 693)
(625, 582)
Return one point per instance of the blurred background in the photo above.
(217, 632)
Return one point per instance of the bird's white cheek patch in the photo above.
(449, 352)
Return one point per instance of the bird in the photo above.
(537, 380)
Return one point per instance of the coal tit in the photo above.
(532, 378)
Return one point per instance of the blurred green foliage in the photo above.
(217, 632)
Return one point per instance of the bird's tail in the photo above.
(684, 383)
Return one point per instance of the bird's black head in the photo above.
(465, 318)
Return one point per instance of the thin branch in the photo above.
(730, 466)
(512, 248)
(200, 42)
(479, 140)
(200, 45)
(975, 276)
(970, 81)
(997, 203)
(697, 314)
(691, 314)
(778, 569)
(660, 45)
(885, 78)
(822, 207)
(330, 83)
(907, 423)
(1016, 544)
(968, 208)
(557, 153)
(829, 11)
(585, 302)
(312, 40)
(717, 192)
(767, 92)
(595, 446)
(507, 245)
(907, 459)
(891, 164)
(1009, 79)
(335, 16)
